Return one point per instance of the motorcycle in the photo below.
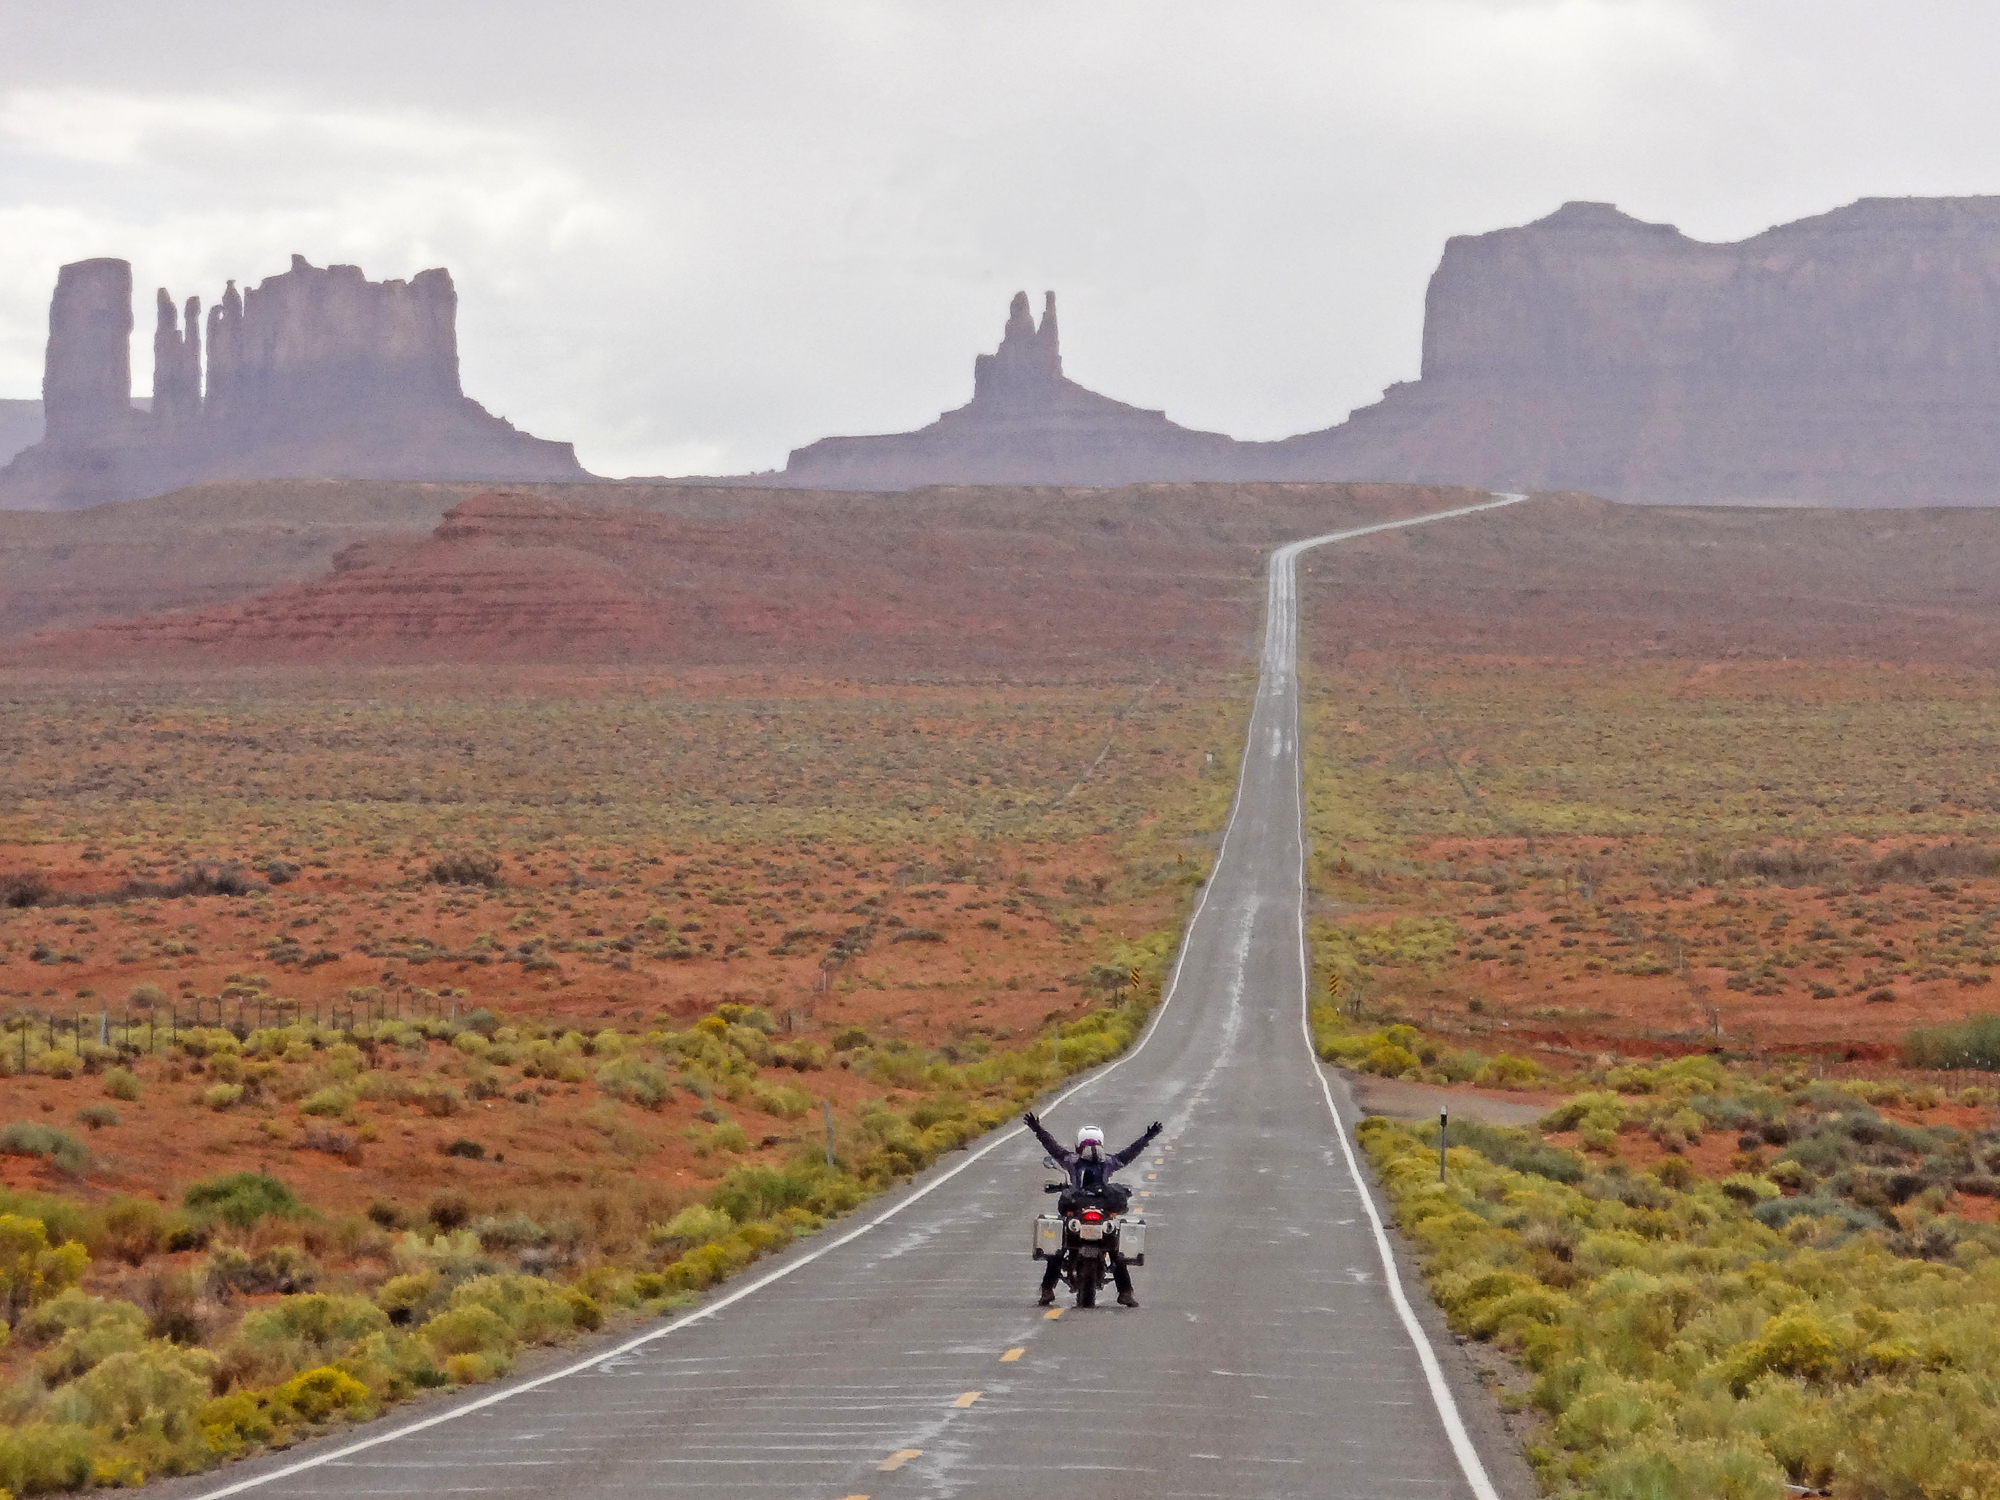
(1089, 1227)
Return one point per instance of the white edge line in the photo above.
(496, 1397)
(1447, 1408)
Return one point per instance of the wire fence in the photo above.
(27, 1033)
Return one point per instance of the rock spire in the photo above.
(176, 362)
(87, 378)
(1029, 360)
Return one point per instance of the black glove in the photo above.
(1030, 1121)
(1154, 1129)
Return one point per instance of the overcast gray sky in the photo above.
(690, 237)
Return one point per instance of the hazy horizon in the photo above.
(690, 240)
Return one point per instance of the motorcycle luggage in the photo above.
(1132, 1241)
(1048, 1237)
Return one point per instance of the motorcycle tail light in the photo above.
(1091, 1216)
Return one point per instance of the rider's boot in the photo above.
(1127, 1299)
(1048, 1297)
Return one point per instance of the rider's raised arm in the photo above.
(1049, 1143)
(1130, 1154)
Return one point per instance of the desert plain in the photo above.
(612, 883)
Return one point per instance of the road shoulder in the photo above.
(1470, 1368)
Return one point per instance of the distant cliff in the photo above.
(1849, 358)
(317, 372)
(1852, 358)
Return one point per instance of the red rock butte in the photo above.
(315, 372)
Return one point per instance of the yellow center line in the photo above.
(897, 1459)
(1143, 1193)
(1052, 1314)
(1010, 1356)
(967, 1399)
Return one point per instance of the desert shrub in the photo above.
(468, 1329)
(97, 1116)
(1971, 1043)
(159, 1385)
(230, 1424)
(171, 1298)
(1786, 866)
(437, 1098)
(464, 867)
(332, 1142)
(26, 1138)
(1507, 1071)
(279, 1268)
(318, 1395)
(241, 1199)
(453, 1256)
(402, 1298)
(39, 1457)
(57, 1062)
(635, 1082)
(120, 1083)
(1688, 1338)
(535, 1311)
(449, 1211)
(785, 1102)
(31, 1270)
(696, 1224)
(749, 1193)
(509, 1231)
(20, 889)
(328, 1325)
(222, 1096)
(1924, 866)
(1778, 1212)
(1516, 1149)
(1676, 1469)
(129, 1229)
(80, 1332)
(335, 1103)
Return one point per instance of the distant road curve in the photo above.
(1276, 1353)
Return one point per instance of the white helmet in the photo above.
(1090, 1141)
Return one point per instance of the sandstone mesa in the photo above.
(314, 372)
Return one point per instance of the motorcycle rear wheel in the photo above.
(1087, 1271)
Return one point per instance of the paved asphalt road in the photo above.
(1274, 1353)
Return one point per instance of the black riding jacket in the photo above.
(1091, 1174)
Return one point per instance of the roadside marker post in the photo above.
(1441, 1129)
(826, 1113)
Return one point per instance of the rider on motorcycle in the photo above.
(1089, 1167)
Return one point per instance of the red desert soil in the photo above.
(1051, 581)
